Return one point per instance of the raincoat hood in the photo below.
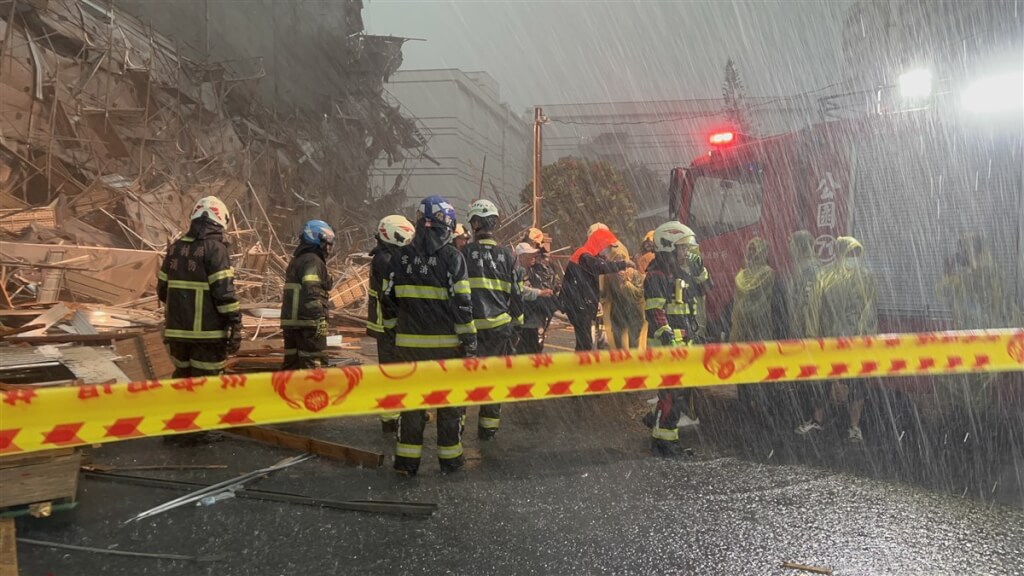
(756, 273)
(757, 253)
(846, 246)
(801, 246)
(619, 253)
(598, 241)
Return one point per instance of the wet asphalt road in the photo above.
(568, 488)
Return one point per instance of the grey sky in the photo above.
(591, 51)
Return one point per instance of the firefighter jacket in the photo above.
(196, 284)
(377, 322)
(430, 295)
(659, 291)
(497, 291)
(307, 286)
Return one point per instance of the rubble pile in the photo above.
(108, 135)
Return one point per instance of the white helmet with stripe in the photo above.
(671, 234)
(396, 230)
(212, 208)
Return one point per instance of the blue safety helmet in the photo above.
(318, 233)
(436, 211)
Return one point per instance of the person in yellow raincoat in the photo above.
(972, 287)
(758, 313)
(800, 283)
(843, 304)
(622, 301)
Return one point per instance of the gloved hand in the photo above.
(321, 328)
(667, 338)
(467, 349)
(695, 262)
(233, 342)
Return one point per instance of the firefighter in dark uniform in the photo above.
(203, 323)
(393, 232)
(431, 296)
(305, 303)
(668, 323)
(497, 298)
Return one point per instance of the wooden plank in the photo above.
(133, 359)
(49, 318)
(72, 338)
(323, 448)
(8, 548)
(85, 285)
(158, 359)
(55, 478)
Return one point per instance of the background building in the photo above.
(465, 121)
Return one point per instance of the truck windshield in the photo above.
(724, 203)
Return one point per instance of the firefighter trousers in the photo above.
(303, 349)
(450, 421)
(493, 342)
(198, 357)
(670, 407)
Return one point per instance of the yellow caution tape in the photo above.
(33, 420)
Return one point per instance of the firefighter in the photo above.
(643, 260)
(461, 237)
(305, 302)
(393, 232)
(196, 284)
(684, 314)
(429, 291)
(534, 237)
(497, 300)
(843, 304)
(662, 287)
(580, 290)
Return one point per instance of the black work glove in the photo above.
(695, 262)
(668, 338)
(467, 349)
(233, 342)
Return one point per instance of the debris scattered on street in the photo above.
(230, 485)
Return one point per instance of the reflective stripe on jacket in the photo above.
(431, 295)
(496, 289)
(306, 289)
(196, 285)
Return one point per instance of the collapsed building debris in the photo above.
(109, 134)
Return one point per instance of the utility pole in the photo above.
(538, 162)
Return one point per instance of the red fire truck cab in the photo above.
(908, 187)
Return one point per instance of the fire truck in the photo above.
(909, 185)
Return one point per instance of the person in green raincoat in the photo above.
(842, 304)
(758, 314)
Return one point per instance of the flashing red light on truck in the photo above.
(722, 138)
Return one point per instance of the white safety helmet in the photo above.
(671, 234)
(396, 230)
(595, 227)
(212, 208)
(482, 208)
